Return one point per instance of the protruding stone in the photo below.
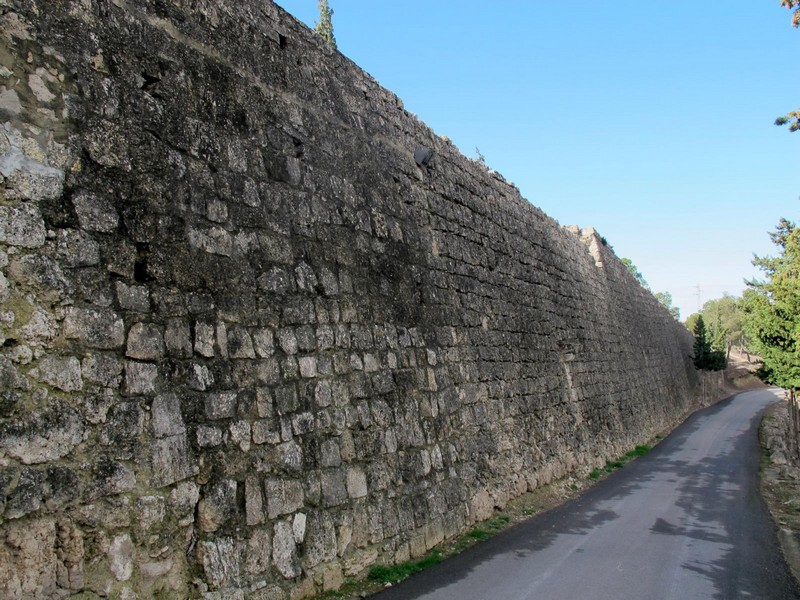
(120, 554)
(284, 550)
(299, 527)
(356, 482)
(204, 339)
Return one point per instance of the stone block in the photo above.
(96, 328)
(221, 405)
(263, 342)
(145, 342)
(140, 378)
(208, 437)
(221, 562)
(253, 501)
(178, 338)
(204, 339)
(43, 435)
(284, 496)
(22, 226)
(77, 249)
(199, 377)
(284, 550)
(103, 369)
(217, 504)
(62, 373)
(259, 552)
(334, 487)
(356, 482)
(172, 460)
(166, 416)
(95, 213)
(240, 345)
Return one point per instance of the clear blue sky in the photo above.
(650, 121)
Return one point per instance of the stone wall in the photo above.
(247, 344)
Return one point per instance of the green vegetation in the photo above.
(612, 465)
(395, 573)
(772, 310)
(704, 356)
(665, 298)
(324, 26)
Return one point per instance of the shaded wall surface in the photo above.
(247, 345)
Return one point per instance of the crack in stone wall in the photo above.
(247, 345)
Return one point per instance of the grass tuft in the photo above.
(395, 573)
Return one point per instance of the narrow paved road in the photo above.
(685, 521)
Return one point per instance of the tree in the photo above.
(704, 356)
(793, 118)
(665, 298)
(637, 274)
(772, 310)
(723, 318)
(325, 25)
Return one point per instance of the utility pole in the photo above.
(699, 294)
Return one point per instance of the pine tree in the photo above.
(325, 25)
(701, 346)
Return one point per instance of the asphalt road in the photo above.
(685, 521)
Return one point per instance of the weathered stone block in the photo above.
(284, 550)
(21, 226)
(133, 297)
(253, 501)
(145, 342)
(334, 488)
(284, 496)
(95, 213)
(217, 504)
(172, 461)
(62, 373)
(204, 339)
(140, 378)
(356, 482)
(97, 328)
(208, 437)
(240, 345)
(76, 249)
(178, 338)
(221, 562)
(221, 405)
(199, 377)
(166, 416)
(43, 435)
(103, 369)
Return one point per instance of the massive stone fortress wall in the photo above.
(248, 344)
